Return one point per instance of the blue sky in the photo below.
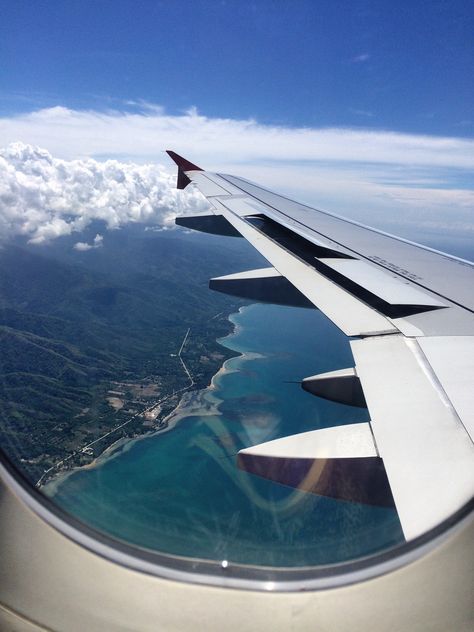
(403, 66)
(363, 108)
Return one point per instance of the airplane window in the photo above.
(128, 390)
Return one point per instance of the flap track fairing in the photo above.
(208, 223)
(341, 386)
(266, 285)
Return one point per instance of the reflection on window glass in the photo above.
(128, 389)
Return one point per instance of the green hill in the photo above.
(75, 325)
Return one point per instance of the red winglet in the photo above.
(182, 163)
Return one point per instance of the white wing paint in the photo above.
(410, 311)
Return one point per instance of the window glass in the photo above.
(128, 389)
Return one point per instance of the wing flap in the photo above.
(452, 359)
(426, 450)
(449, 277)
(382, 283)
(347, 312)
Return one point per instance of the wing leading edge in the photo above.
(410, 312)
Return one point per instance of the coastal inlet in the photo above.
(180, 491)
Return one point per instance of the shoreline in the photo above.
(192, 404)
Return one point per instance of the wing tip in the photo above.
(183, 163)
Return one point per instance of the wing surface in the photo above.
(409, 311)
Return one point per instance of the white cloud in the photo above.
(83, 245)
(366, 113)
(43, 197)
(105, 167)
(216, 142)
(360, 58)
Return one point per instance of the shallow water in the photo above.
(180, 492)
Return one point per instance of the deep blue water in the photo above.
(180, 492)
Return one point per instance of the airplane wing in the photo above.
(409, 311)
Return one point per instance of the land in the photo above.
(139, 407)
(98, 346)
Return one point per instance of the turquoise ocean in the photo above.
(180, 491)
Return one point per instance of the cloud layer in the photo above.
(110, 166)
(43, 197)
(142, 136)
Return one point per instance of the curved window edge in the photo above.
(225, 573)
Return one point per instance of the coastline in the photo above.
(203, 402)
(183, 494)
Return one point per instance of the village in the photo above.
(128, 409)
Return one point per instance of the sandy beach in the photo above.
(201, 403)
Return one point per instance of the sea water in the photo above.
(180, 492)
